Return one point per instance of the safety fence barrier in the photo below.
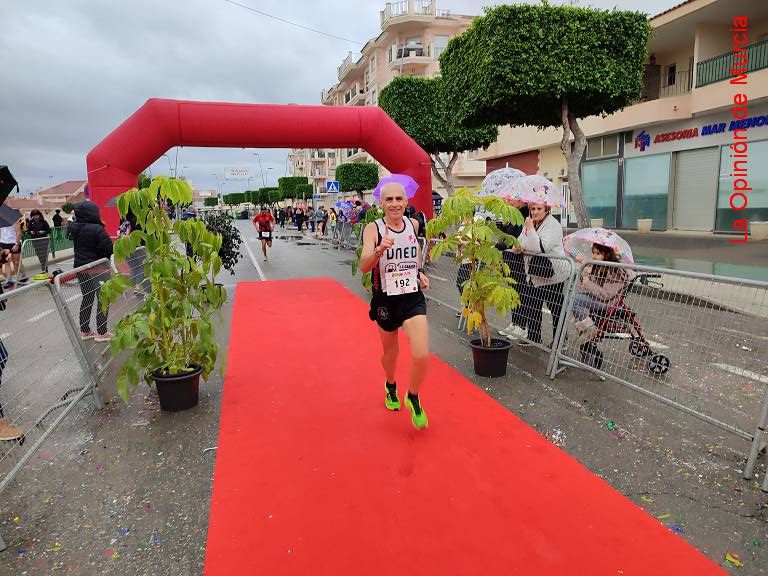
(54, 350)
(44, 374)
(695, 342)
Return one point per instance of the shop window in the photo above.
(646, 190)
(599, 186)
(757, 176)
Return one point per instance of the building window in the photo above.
(757, 170)
(646, 190)
(439, 43)
(393, 52)
(602, 146)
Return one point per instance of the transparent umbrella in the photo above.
(497, 181)
(535, 189)
(579, 244)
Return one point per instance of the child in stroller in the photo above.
(600, 311)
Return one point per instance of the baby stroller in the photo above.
(620, 322)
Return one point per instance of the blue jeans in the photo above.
(584, 302)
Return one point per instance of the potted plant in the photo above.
(231, 240)
(472, 240)
(169, 338)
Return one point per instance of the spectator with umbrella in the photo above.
(600, 286)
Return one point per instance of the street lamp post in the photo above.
(218, 186)
(263, 181)
(268, 175)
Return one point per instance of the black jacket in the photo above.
(38, 228)
(87, 232)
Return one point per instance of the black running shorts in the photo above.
(389, 312)
(265, 235)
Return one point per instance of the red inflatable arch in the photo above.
(115, 163)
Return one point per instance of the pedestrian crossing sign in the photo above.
(332, 186)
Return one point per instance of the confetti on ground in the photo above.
(664, 516)
(557, 437)
(646, 498)
(756, 542)
(611, 425)
(677, 528)
(123, 531)
(21, 552)
(16, 519)
(734, 559)
(155, 539)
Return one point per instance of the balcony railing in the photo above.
(719, 68)
(414, 7)
(349, 61)
(657, 85)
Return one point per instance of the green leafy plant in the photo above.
(418, 106)
(546, 66)
(287, 186)
(357, 177)
(211, 202)
(371, 215)
(231, 240)
(172, 330)
(470, 239)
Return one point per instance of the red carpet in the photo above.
(314, 476)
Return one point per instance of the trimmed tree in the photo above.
(304, 191)
(419, 107)
(357, 177)
(211, 201)
(546, 66)
(287, 185)
(67, 207)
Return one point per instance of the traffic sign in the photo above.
(315, 196)
(332, 186)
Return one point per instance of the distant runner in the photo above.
(264, 224)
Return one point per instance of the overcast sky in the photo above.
(73, 70)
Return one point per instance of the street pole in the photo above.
(263, 181)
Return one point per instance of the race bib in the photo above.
(402, 281)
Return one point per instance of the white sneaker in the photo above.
(103, 337)
(514, 331)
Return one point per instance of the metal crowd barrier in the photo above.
(695, 342)
(80, 289)
(36, 250)
(39, 372)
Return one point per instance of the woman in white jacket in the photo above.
(543, 234)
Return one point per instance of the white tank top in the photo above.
(8, 235)
(404, 254)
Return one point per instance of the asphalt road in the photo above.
(126, 490)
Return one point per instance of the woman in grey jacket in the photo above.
(542, 233)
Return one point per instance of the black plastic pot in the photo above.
(490, 361)
(178, 391)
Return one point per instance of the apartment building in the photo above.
(668, 156)
(413, 35)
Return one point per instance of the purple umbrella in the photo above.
(409, 185)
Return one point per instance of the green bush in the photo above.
(357, 177)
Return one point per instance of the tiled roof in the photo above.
(675, 7)
(32, 203)
(67, 188)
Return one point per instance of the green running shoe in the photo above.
(418, 416)
(391, 401)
